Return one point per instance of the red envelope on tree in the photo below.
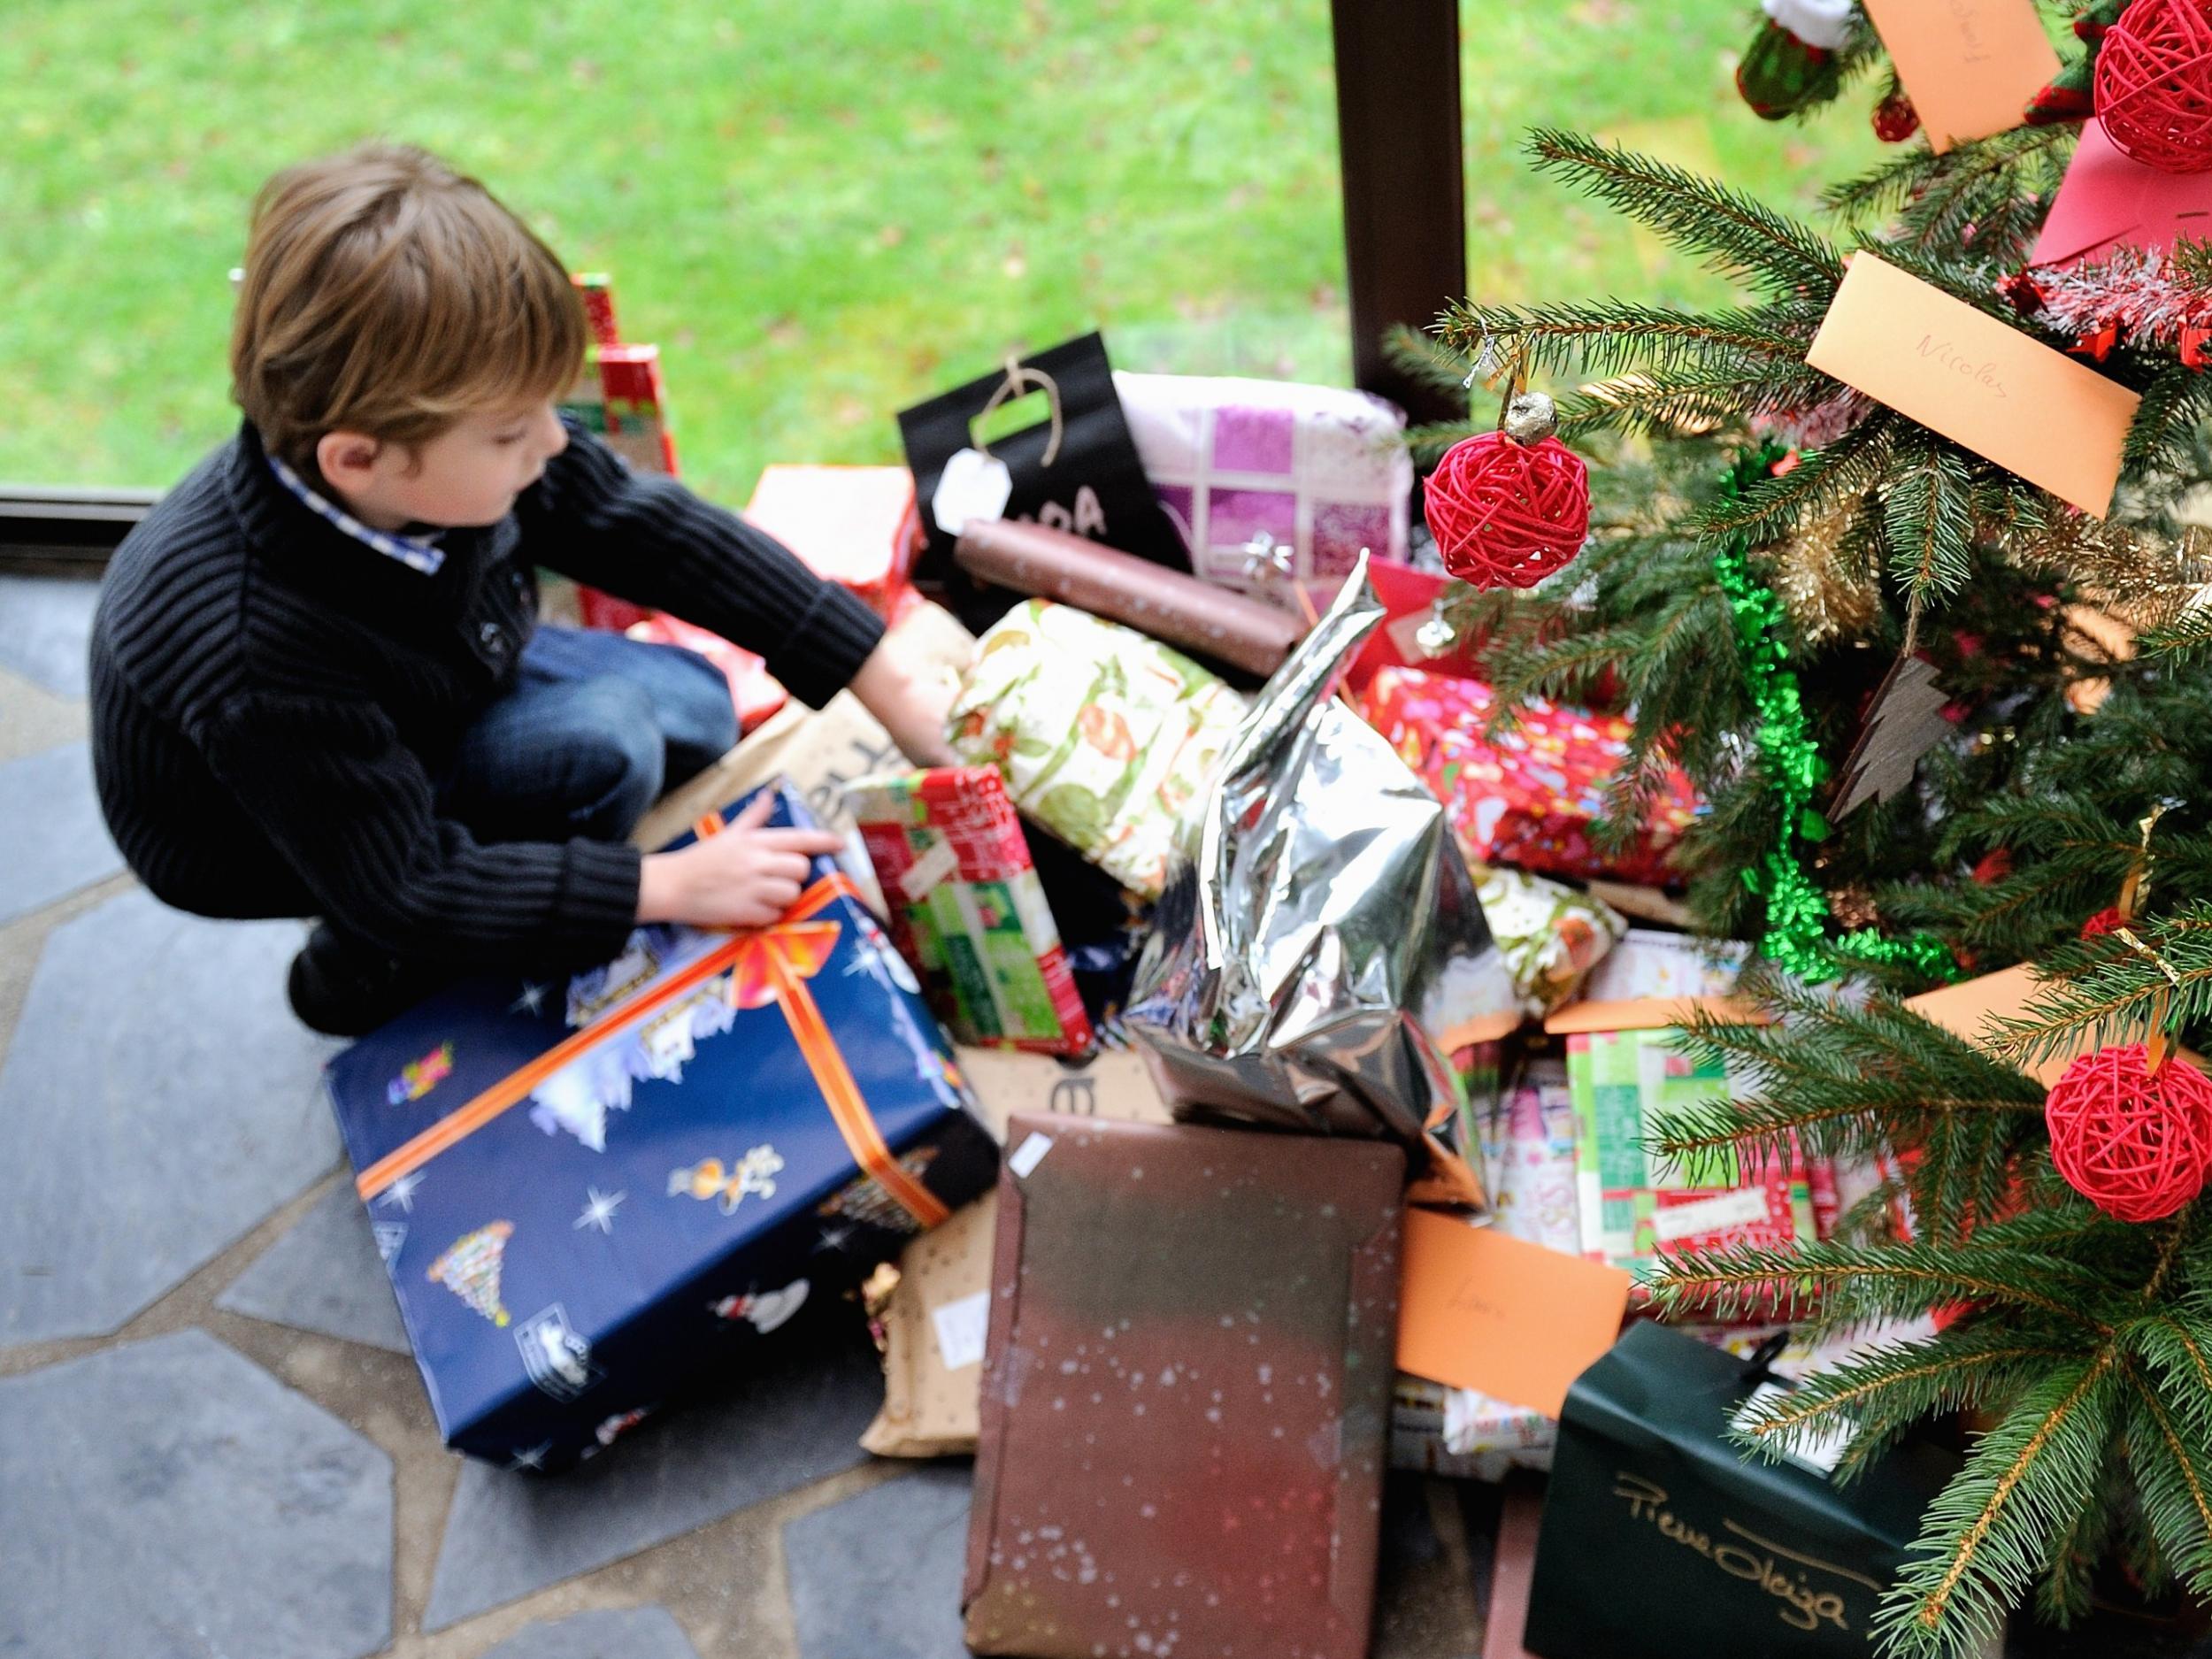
(2108, 201)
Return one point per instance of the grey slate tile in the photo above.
(157, 1102)
(324, 1275)
(628, 1632)
(46, 629)
(880, 1573)
(509, 1534)
(50, 827)
(169, 1498)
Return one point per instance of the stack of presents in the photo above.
(1227, 1084)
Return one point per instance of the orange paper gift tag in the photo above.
(1969, 66)
(2012, 399)
(1481, 1309)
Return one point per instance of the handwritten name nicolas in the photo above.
(1802, 1604)
(1982, 374)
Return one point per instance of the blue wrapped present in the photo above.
(589, 1192)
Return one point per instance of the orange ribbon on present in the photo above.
(767, 965)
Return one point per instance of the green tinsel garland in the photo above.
(1797, 915)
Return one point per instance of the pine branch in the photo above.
(1823, 479)
(1608, 337)
(1850, 1282)
(2176, 404)
(1985, 198)
(1737, 234)
(2172, 1466)
(1928, 519)
(1428, 362)
(1987, 1533)
(1689, 400)
(1882, 1390)
(2068, 1590)
(2113, 1000)
(2179, 1349)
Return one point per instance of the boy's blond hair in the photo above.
(388, 294)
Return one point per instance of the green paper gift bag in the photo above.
(1659, 1537)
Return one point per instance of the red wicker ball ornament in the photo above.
(2134, 1143)
(1507, 511)
(2154, 84)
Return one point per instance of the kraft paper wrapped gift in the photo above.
(933, 1323)
(1105, 737)
(1186, 1390)
(1659, 1537)
(966, 908)
(590, 1192)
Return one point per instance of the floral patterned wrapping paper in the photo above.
(1552, 935)
(1104, 737)
(1528, 796)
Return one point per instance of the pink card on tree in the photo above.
(2110, 201)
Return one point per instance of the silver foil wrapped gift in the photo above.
(1308, 966)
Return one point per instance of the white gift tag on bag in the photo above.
(973, 486)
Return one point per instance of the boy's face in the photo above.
(468, 474)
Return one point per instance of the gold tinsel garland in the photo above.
(1826, 579)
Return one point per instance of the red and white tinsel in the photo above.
(2134, 296)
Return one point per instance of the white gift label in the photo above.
(1818, 1450)
(973, 486)
(1670, 1222)
(928, 870)
(1029, 1154)
(961, 1326)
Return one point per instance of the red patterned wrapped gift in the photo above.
(1528, 797)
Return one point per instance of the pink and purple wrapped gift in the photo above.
(1270, 481)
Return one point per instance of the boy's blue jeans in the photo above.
(595, 729)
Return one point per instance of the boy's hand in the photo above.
(745, 876)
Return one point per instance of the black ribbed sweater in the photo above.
(270, 698)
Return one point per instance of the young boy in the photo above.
(318, 687)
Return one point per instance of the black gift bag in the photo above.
(1076, 469)
(1659, 1537)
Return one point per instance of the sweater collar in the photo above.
(313, 551)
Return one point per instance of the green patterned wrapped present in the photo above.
(1104, 737)
(1551, 934)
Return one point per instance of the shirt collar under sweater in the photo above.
(314, 553)
(417, 553)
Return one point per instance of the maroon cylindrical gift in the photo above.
(1169, 605)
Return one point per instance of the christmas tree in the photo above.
(1945, 723)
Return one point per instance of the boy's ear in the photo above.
(347, 459)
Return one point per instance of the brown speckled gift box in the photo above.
(1185, 1393)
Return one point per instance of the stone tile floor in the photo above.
(211, 1439)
